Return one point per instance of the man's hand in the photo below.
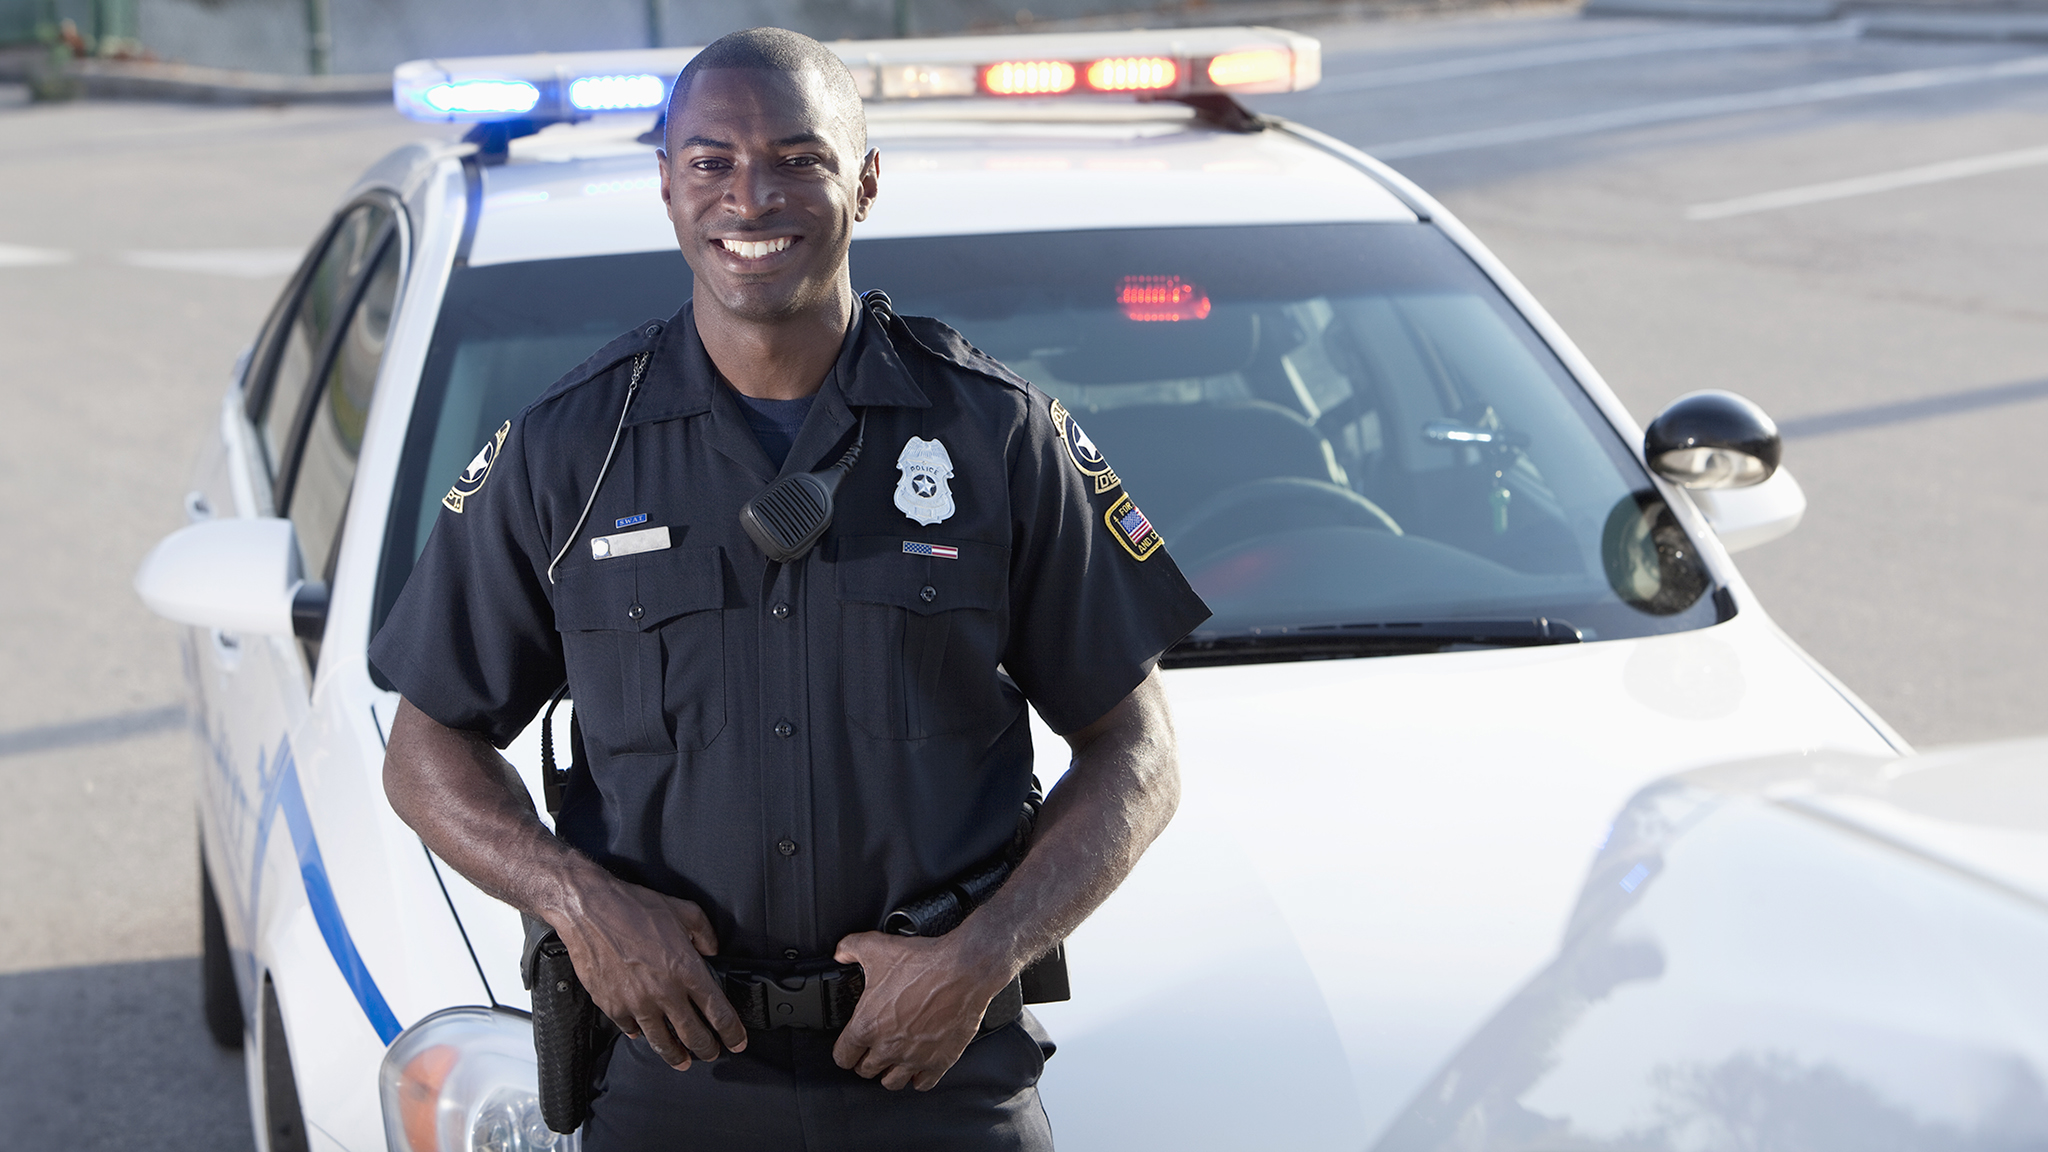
(641, 956)
(922, 1006)
(925, 996)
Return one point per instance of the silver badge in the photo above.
(922, 492)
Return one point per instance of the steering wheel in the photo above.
(1274, 504)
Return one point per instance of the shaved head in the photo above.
(778, 50)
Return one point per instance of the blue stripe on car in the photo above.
(285, 794)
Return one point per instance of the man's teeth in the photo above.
(755, 249)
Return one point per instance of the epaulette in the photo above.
(640, 339)
(941, 341)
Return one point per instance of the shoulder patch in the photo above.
(1082, 451)
(472, 479)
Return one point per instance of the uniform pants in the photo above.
(784, 1094)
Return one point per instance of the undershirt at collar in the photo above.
(775, 423)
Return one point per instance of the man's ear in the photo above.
(870, 184)
(661, 161)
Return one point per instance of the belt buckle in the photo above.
(794, 1001)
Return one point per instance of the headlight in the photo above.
(463, 1080)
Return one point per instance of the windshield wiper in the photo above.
(1342, 641)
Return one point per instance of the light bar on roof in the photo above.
(618, 93)
(1166, 64)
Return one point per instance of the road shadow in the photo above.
(116, 1056)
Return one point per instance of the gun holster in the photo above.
(569, 1033)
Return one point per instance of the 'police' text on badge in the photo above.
(922, 492)
(1082, 451)
(479, 470)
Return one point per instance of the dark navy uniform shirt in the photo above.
(798, 748)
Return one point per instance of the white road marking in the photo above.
(16, 256)
(1866, 185)
(248, 263)
(1703, 107)
(1606, 48)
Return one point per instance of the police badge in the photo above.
(922, 493)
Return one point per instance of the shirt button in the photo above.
(928, 594)
(790, 953)
(780, 611)
(785, 729)
(786, 846)
(636, 611)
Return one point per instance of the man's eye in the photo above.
(803, 161)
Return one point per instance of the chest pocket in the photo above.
(920, 636)
(644, 640)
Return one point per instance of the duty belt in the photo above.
(824, 1000)
(817, 1000)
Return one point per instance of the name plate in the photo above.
(629, 543)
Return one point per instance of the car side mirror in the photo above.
(235, 575)
(1713, 440)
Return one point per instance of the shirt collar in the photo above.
(681, 379)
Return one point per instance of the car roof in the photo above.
(948, 169)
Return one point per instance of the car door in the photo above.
(306, 390)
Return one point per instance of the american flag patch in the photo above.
(1130, 528)
(913, 548)
(1135, 525)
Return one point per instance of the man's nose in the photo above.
(752, 192)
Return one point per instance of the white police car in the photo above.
(1458, 619)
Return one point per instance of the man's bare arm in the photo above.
(640, 953)
(925, 997)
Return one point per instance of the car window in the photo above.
(1332, 426)
(318, 492)
(304, 330)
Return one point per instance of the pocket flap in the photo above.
(880, 570)
(635, 593)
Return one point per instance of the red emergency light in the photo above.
(1150, 298)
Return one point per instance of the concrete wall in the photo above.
(374, 35)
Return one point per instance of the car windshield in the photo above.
(1348, 439)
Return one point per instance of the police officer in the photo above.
(779, 753)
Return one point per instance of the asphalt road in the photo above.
(1847, 230)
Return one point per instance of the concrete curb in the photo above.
(1943, 22)
(191, 84)
(1756, 11)
(1934, 25)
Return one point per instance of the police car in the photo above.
(1464, 606)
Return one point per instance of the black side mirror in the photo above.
(309, 610)
(1713, 440)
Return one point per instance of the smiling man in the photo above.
(778, 750)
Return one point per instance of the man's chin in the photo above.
(765, 303)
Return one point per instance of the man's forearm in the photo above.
(1113, 802)
(469, 806)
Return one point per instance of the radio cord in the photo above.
(632, 389)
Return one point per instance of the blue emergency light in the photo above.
(1195, 65)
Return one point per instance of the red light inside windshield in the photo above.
(1161, 298)
(1028, 78)
(1133, 74)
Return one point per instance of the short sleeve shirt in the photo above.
(802, 747)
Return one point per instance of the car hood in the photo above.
(1370, 856)
(1820, 951)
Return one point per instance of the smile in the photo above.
(756, 249)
